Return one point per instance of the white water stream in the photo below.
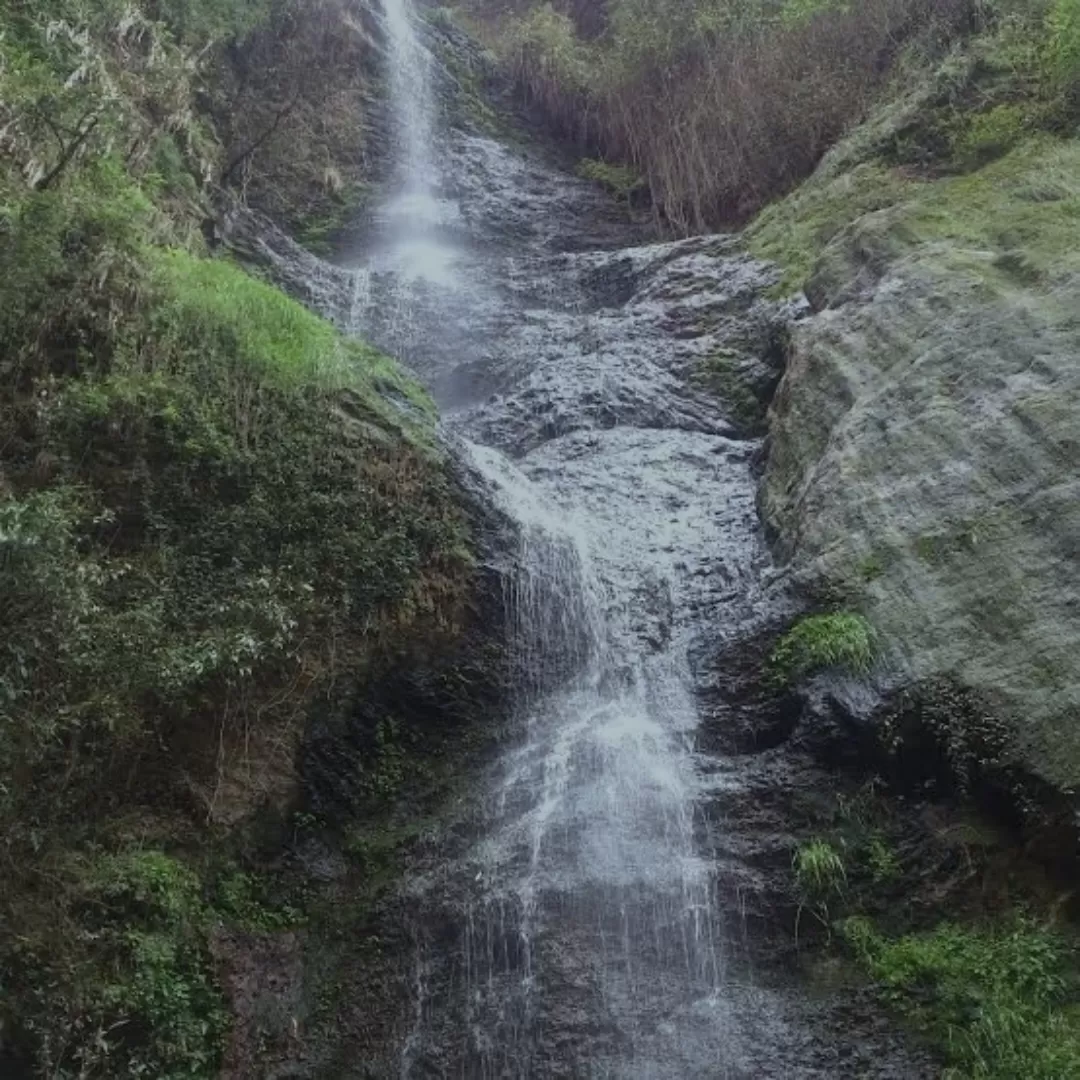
(589, 885)
(571, 929)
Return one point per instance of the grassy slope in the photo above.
(975, 153)
(214, 512)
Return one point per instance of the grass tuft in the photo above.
(842, 640)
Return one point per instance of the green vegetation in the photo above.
(795, 231)
(820, 879)
(136, 995)
(974, 155)
(215, 513)
(882, 861)
(240, 899)
(819, 642)
(1024, 208)
(623, 181)
(719, 373)
(717, 104)
(1063, 49)
(1000, 1001)
(937, 918)
(819, 870)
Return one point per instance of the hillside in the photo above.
(273, 634)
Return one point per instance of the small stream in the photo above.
(597, 926)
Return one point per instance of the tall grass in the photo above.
(720, 104)
(1000, 1001)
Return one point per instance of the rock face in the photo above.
(594, 902)
(925, 443)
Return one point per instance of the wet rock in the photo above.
(924, 453)
(741, 712)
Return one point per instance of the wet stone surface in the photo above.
(620, 905)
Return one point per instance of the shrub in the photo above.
(997, 1000)
(119, 982)
(70, 267)
(240, 897)
(882, 861)
(719, 104)
(200, 20)
(841, 640)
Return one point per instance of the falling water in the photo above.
(411, 218)
(584, 913)
(594, 901)
(565, 922)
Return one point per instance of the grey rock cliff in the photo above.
(925, 444)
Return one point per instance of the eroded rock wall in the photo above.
(925, 442)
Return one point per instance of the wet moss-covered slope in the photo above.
(924, 439)
(229, 542)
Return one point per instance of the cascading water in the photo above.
(588, 884)
(593, 911)
(574, 931)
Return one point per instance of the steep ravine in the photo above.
(610, 897)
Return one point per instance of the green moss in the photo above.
(794, 231)
(623, 181)
(1030, 198)
(819, 642)
(1025, 205)
(939, 547)
(871, 568)
(321, 231)
(1000, 1002)
(719, 374)
(1063, 47)
(981, 137)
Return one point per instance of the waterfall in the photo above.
(584, 915)
(411, 103)
(413, 214)
(578, 913)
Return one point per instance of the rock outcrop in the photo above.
(925, 442)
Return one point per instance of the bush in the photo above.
(996, 1000)
(841, 640)
(120, 982)
(200, 20)
(215, 513)
(70, 268)
(718, 104)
